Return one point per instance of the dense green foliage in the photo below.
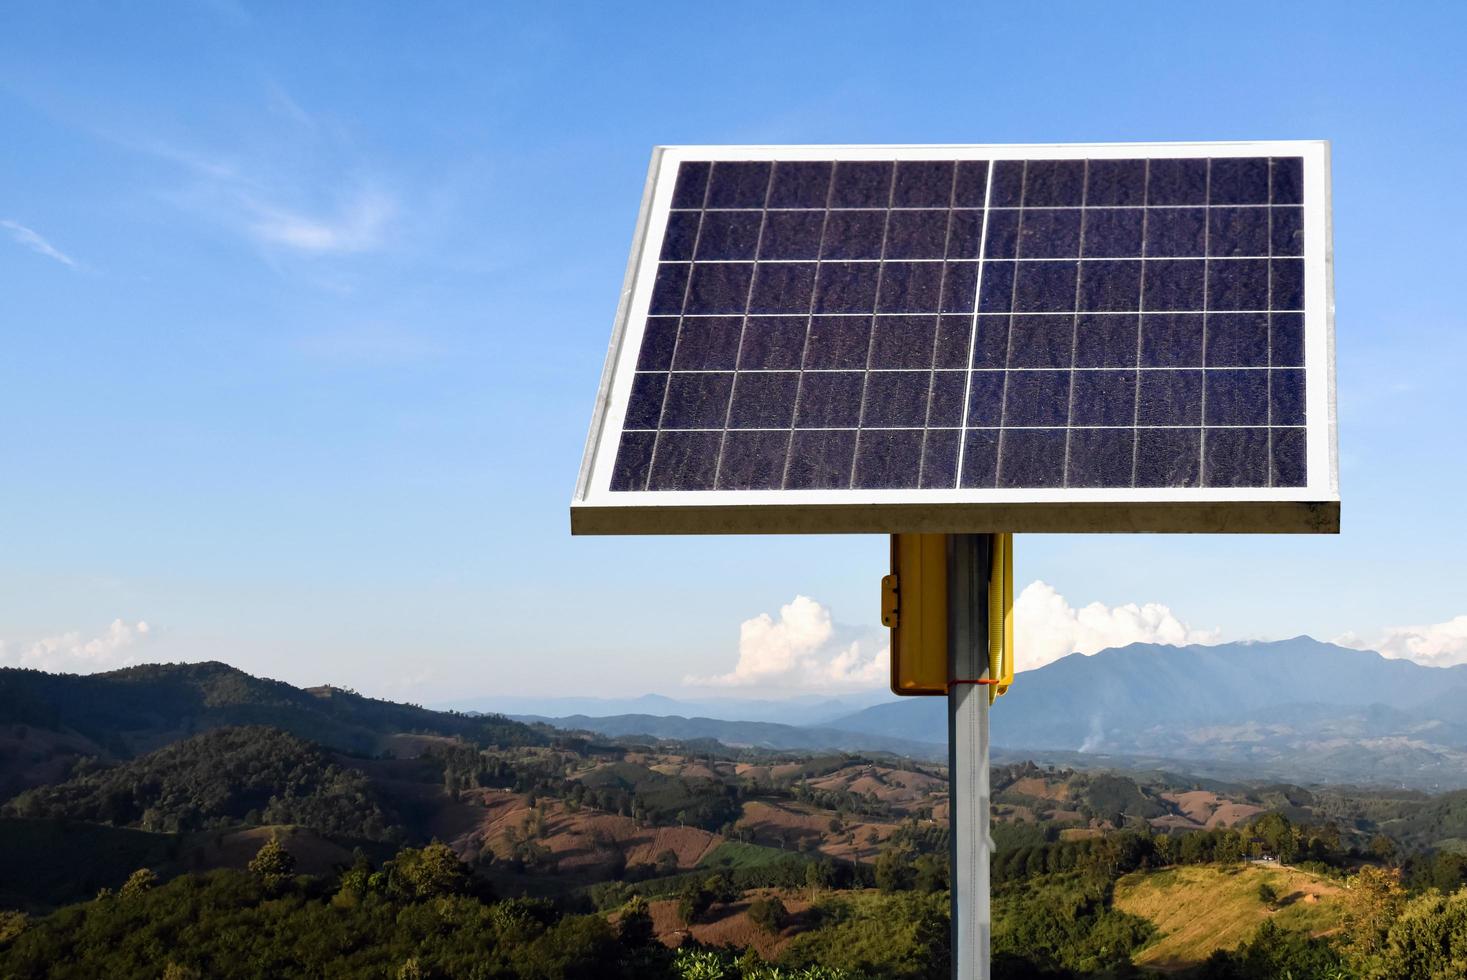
(224, 777)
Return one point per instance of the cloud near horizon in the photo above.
(1432, 645)
(73, 654)
(804, 649)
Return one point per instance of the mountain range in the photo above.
(1296, 709)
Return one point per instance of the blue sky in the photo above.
(304, 308)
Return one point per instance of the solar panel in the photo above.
(1071, 337)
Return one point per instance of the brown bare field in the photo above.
(1040, 788)
(1206, 810)
(729, 924)
(314, 854)
(780, 823)
(585, 841)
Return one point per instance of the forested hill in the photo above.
(128, 712)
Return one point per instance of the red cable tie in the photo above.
(980, 680)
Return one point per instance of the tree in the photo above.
(140, 881)
(1373, 900)
(432, 872)
(635, 927)
(1429, 939)
(769, 914)
(272, 863)
(1267, 894)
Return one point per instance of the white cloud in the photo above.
(32, 240)
(1047, 627)
(355, 225)
(1433, 645)
(802, 649)
(72, 653)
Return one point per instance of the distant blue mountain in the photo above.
(802, 709)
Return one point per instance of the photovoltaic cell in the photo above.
(954, 324)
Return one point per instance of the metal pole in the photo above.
(967, 747)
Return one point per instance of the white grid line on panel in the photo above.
(973, 324)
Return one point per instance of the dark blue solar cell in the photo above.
(670, 287)
(1286, 339)
(861, 184)
(644, 406)
(980, 458)
(970, 184)
(753, 460)
(1238, 180)
(959, 283)
(1037, 398)
(1110, 285)
(888, 458)
(991, 347)
(829, 399)
(783, 287)
(1173, 284)
(896, 398)
(964, 234)
(1169, 398)
(1177, 181)
(792, 235)
(721, 287)
(764, 400)
(854, 235)
(847, 287)
(1105, 340)
(916, 235)
(773, 342)
(985, 398)
(821, 459)
(945, 406)
(1041, 341)
(1288, 180)
(685, 461)
(633, 460)
(738, 184)
(729, 235)
(800, 184)
(708, 343)
(692, 183)
(1237, 231)
(940, 459)
(1103, 398)
(1032, 458)
(1054, 183)
(1008, 184)
(1287, 235)
(1168, 457)
(1236, 397)
(902, 341)
(1101, 457)
(1113, 232)
(838, 343)
(1237, 340)
(1050, 234)
(1237, 284)
(1289, 459)
(954, 336)
(1286, 397)
(681, 235)
(910, 287)
(1045, 287)
(1288, 284)
(1176, 231)
(996, 294)
(1001, 240)
(923, 184)
(1115, 182)
(1171, 340)
(1235, 457)
(658, 339)
(697, 401)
